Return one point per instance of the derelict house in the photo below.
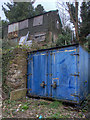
(40, 27)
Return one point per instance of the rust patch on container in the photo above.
(70, 50)
(55, 78)
(43, 54)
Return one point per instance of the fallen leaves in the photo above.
(39, 108)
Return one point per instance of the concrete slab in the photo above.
(17, 94)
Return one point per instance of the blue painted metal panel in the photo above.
(38, 67)
(63, 69)
(49, 75)
(67, 67)
(83, 69)
(88, 73)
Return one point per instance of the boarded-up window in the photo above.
(13, 27)
(39, 37)
(38, 20)
(23, 24)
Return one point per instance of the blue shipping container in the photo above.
(61, 73)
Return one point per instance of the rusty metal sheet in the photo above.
(13, 27)
(23, 24)
(38, 20)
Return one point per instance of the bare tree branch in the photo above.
(64, 7)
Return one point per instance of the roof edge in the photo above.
(35, 16)
(65, 46)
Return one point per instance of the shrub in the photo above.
(63, 40)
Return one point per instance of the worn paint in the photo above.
(63, 68)
(43, 54)
(70, 50)
(55, 78)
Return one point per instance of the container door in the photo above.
(37, 82)
(49, 74)
(63, 74)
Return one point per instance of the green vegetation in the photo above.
(20, 10)
(55, 104)
(65, 38)
(56, 115)
(85, 24)
(33, 107)
(25, 107)
(43, 103)
(8, 54)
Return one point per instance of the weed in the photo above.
(27, 103)
(36, 104)
(80, 114)
(25, 107)
(62, 116)
(84, 110)
(43, 103)
(56, 115)
(8, 101)
(59, 115)
(55, 104)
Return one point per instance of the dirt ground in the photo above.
(40, 108)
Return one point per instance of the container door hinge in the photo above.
(28, 59)
(74, 54)
(47, 53)
(51, 53)
(46, 74)
(29, 74)
(50, 74)
(75, 75)
(75, 95)
(43, 84)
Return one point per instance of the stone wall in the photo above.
(17, 70)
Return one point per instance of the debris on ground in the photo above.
(40, 108)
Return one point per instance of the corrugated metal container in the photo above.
(60, 73)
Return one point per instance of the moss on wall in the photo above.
(14, 69)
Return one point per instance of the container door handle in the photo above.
(43, 84)
(54, 85)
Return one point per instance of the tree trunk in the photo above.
(76, 23)
(76, 15)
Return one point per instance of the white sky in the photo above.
(47, 4)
